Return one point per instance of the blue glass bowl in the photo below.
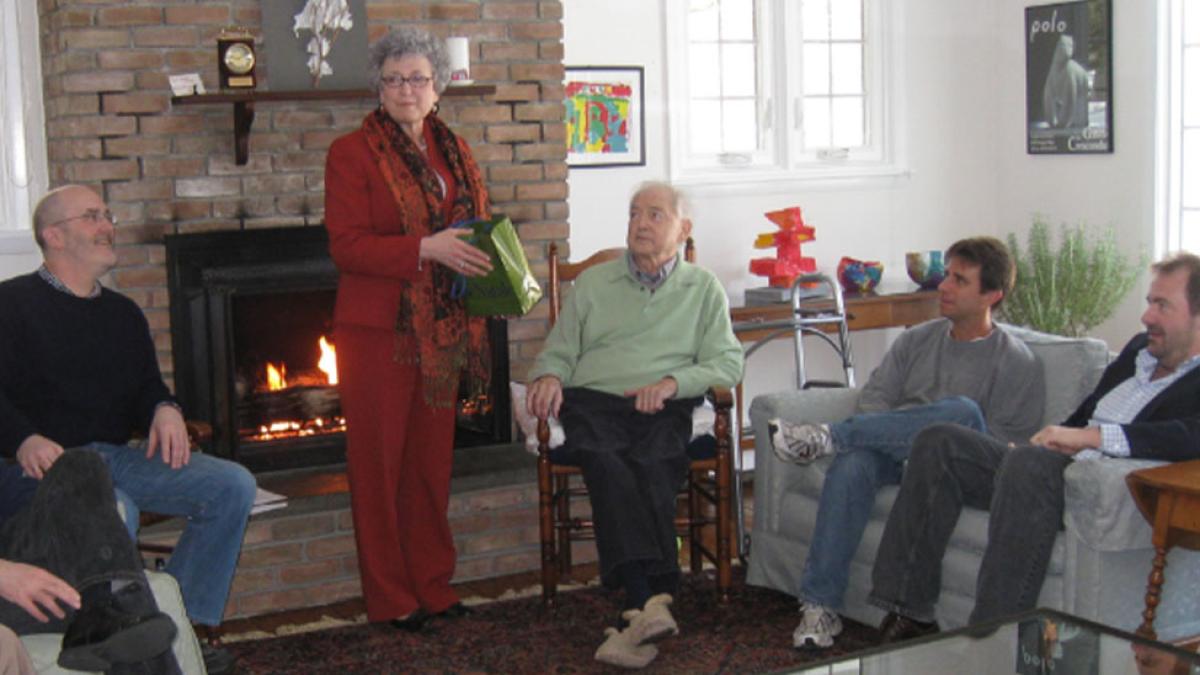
(925, 268)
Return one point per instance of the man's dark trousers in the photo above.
(633, 464)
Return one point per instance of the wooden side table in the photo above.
(1169, 497)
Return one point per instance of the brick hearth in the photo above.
(304, 555)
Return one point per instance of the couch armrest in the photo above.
(772, 478)
(809, 405)
(1098, 507)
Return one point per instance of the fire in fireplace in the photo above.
(255, 354)
(286, 374)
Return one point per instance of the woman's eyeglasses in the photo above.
(91, 215)
(397, 81)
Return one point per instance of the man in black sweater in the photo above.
(1146, 406)
(78, 369)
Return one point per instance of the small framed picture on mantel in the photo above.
(1068, 78)
(605, 116)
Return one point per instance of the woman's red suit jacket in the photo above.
(372, 254)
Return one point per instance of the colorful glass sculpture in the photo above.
(788, 263)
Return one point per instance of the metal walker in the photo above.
(811, 315)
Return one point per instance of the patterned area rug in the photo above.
(752, 634)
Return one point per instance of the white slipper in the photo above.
(619, 649)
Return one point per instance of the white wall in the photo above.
(1113, 189)
(948, 48)
(962, 100)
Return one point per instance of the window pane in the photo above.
(1189, 235)
(739, 127)
(846, 20)
(816, 69)
(816, 123)
(815, 17)
(847, 68)
(737, 19)
(704, 71)
(738, 71)
(702, 20)
(1191, 86)
(1190, 186)
(848, 122)
(1191, 23)
(705, 118)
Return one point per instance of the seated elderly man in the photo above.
(77, 368)
(68, 565)
(1146, 406)
(638, 342)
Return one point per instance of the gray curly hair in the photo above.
(406, 41)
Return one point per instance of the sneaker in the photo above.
(653, 622)
(799, 443)
(619, 649)
(818, 626)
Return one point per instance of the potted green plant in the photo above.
(1072, 288)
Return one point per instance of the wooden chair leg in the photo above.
(1154, 592)
(695, 549)
(562, 488)
(724, 489)
(546, 531)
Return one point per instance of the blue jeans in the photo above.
(215, 495)
(870, 450)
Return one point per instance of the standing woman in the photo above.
(393, 188)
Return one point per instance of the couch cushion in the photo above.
(1072, 367)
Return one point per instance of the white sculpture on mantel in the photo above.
(325, 19)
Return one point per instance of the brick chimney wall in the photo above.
(167, 169)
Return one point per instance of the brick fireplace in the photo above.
(170, 170)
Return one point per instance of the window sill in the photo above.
(753, 180)
(17, 242)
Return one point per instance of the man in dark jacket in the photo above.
(1146, 406)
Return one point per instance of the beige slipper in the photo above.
(653, 622)
(620, 650)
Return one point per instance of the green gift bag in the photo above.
(509, 289)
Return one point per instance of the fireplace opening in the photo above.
(285, 368)
(255, 351)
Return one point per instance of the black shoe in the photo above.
(217, 660)
(456, 611)
(416, 622)
(101, 635)
(897, 628)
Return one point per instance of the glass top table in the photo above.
(1040, 642)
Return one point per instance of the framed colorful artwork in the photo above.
(605, 116)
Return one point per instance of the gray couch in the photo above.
(44, 647)
(1100, 562)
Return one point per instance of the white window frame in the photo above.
(24, 175)
(782, 159)
(1169, 136)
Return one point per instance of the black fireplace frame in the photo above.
(206, 272)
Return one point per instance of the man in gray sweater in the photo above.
(960, 368)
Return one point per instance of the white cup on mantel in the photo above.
(459, 50)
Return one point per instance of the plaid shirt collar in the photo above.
(58, 285)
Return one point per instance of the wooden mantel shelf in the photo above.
(243, 105)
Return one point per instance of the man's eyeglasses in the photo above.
(91, 215)
(397, 81)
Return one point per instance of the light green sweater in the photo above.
(614, 335)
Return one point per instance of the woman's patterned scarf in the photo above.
(433, 330)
